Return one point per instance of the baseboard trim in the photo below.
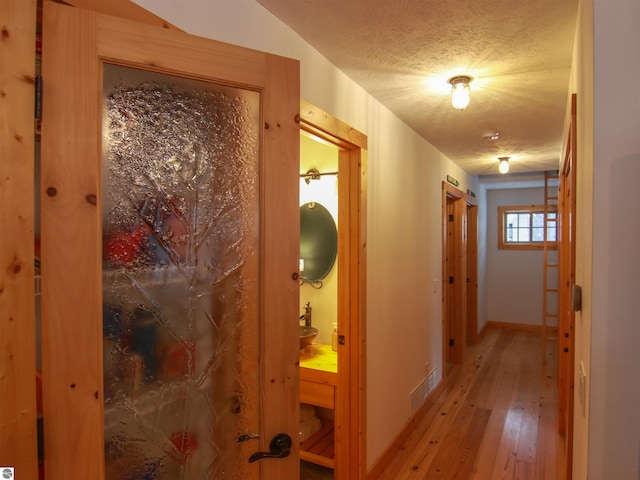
(518, 326)
(384, 460)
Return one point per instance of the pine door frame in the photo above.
(350, 414)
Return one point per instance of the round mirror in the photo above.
(318, 242)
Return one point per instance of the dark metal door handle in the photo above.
(280, 447)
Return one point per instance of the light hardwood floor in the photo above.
(494, 417)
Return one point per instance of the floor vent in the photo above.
(423, 389)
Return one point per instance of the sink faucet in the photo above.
(307, 315)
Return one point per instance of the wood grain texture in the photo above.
(493, 417)
(76, 42)
(18, 444)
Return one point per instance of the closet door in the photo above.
(566, 319)
(170, 237)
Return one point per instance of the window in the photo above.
(522, 227)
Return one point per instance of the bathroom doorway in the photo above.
(339, 395)
(454, 275)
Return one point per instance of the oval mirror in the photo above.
(318, 242)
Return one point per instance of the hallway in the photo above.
(494, 417)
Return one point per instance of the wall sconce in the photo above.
(503, 167)
(460, 91)
(312, 174)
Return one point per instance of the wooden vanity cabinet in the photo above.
(318, 388)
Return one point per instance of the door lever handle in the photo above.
(280, 447)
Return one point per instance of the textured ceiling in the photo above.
(404, 51)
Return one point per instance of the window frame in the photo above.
(531, 245)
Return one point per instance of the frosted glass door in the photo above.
(180, 236)
(170, 235)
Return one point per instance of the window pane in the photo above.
(523, 235)
(538, 219)
(538, 234)
(551, 233)
(512, 220)
(524, 220)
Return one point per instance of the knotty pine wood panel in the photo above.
(18, 443)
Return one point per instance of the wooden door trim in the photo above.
(472, 272)
(18, 438)
(459, 268)
(566, 327)
(350, 411)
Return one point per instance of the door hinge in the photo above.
(451, 217)
(451, 342)
(450, 280)
(38, 99)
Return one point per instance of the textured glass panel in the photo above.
(180, 220)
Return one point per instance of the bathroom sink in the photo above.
(307, 335)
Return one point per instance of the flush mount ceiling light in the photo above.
(503, 167)
(460, 92)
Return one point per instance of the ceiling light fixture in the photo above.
(460, 92)
(504, 164)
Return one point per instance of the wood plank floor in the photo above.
(494, 417)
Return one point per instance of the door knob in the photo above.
(280, 447)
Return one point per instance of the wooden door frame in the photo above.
(18, 436)
(566, 317)
(350, 413)
(455, 267)
(472, 271)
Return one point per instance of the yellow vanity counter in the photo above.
(319, 357)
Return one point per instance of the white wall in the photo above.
(614, 423)
(514, 277)
(582, 84)
(404, 208)
(607, 429)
